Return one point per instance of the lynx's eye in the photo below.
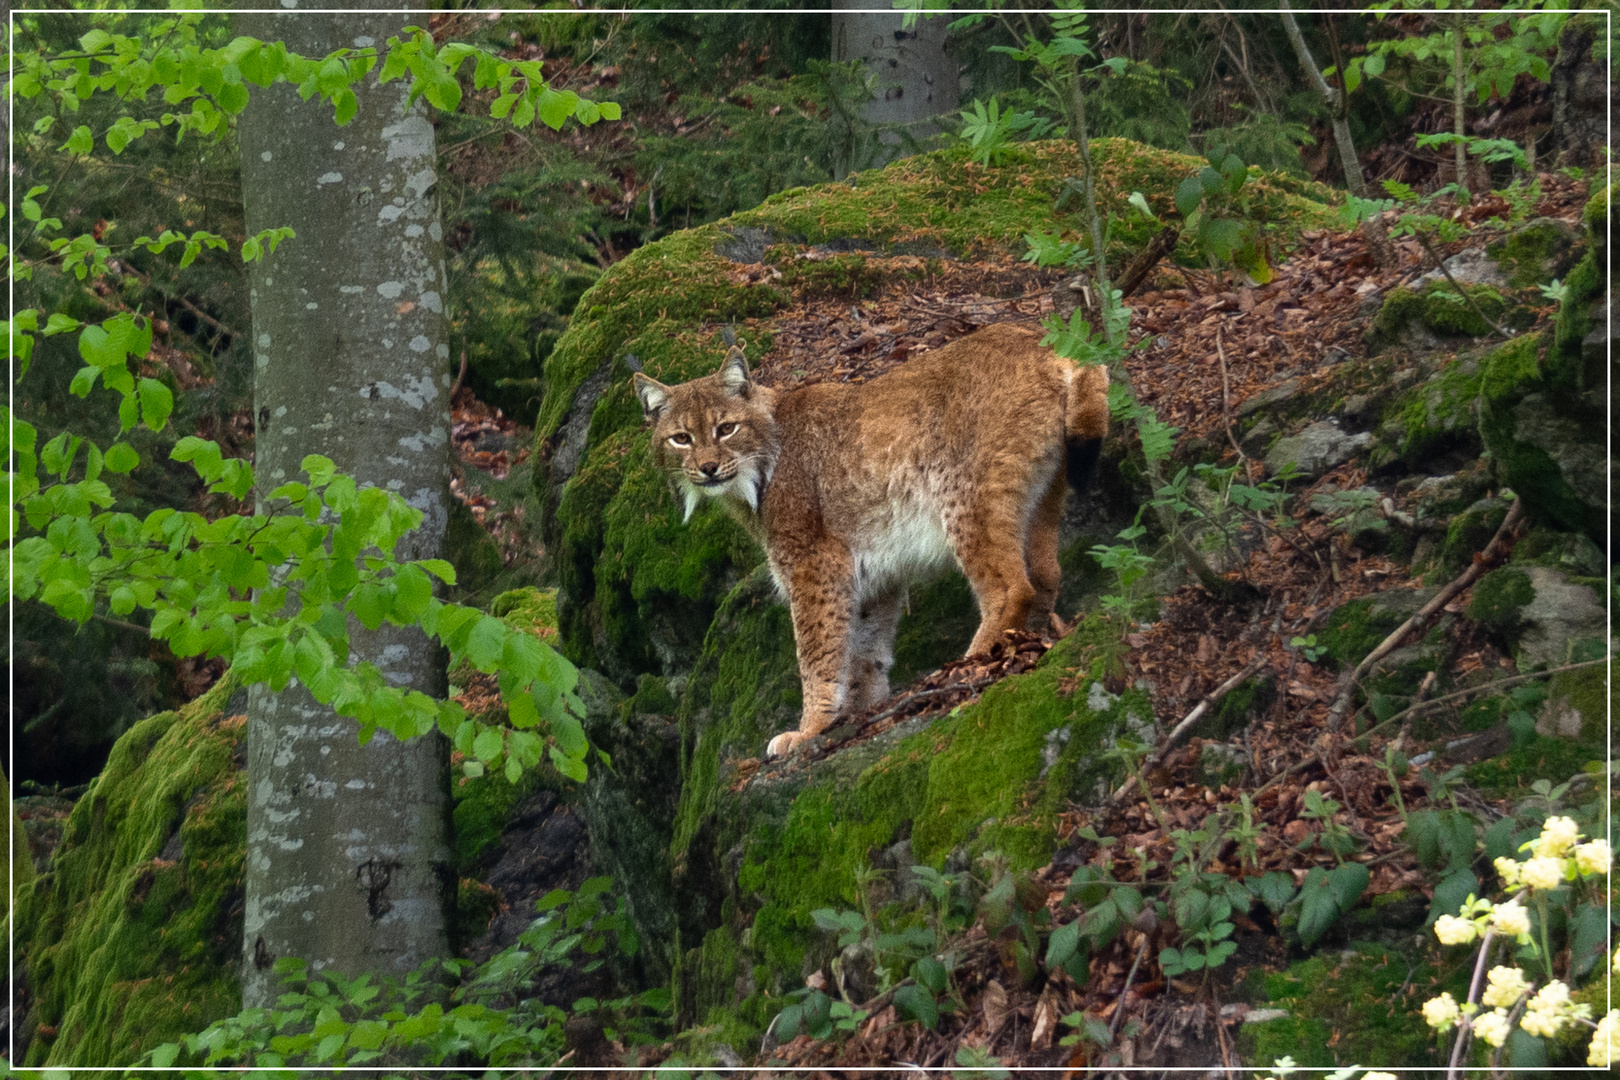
(725, 429)
(680, 438)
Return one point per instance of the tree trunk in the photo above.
(1372, 229)
(348, 859)
(922, 81)
(1459, 99)
(1576, 125)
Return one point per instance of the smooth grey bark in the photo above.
(1336, 103)
(348, 857)
(925, 80)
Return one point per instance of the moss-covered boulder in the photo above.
(1536, 252)
(757, 847)
(132, 936)
(638, 587)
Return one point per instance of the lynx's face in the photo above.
(716, 434)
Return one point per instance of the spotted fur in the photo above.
(963, 455)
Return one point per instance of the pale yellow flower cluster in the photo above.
(1505, 985)
(1454, 931)
(1593, 858)
(1558, 835)
(1493, 1026)
(1550, 1010)
(1556, 856)
(1511, 919)
(1605, 1048)
(1378, 1076)
(1441, 1013)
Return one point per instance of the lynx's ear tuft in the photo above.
(654, 395)
(734, 372)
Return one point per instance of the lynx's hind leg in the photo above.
(872, 648)
(1045, 574)
(820, 584)
(989, 544)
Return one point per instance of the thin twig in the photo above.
(1119, 1010)
(1211, 698)
(121, 624)
(1465, 1030)
(1226, 404)
(1493, 551)
(1421, 707)
(1469, 300)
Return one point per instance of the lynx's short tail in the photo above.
(1085, 422)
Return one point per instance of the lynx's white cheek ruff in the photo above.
(747, 486)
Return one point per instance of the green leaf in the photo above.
(930, 973)
(439, 569)
(347, 105)
(1222, 237)
(157, 402)
(95, 41)
(1348, 882)
(572, 768)
(80, 142)
(487, 745)
(916, 1003)
(59, 323)
(610, 109)
(1065, 940)
(1188, 195)
(120, 458)
(443, 91)
(553, 107)
(486, 644)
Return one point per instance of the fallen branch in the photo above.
(1421, 707)
(1162, 244)
(1493, 551)
(1440, 264)
(1212, 698)
(1119, 1010)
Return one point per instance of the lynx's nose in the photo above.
(709, 468)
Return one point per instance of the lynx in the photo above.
(855, 492)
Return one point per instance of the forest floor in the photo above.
(1210, 346)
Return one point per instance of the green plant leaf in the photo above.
(914, 1002)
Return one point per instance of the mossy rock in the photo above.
(133, 935)
(1351, 1007)
(638, 587)
(1535, 253)
(758, 847)
(1354, 629)
(1470, 532)
(1499, 600)
(1438, 417)
(1438, 308)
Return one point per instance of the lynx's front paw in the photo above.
(784, 743)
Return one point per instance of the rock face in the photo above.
(1315, 450)
(637, 587)
(131, 936)
(758, 846)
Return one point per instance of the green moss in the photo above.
(472, 551)
(1351, 633)
(935, 629)
(994, 774)
(836, 275)
(1470, 532)
(1544, 757)
(1351, 1008)
(1574, 319)
(1529, 256)
(1514, 372)
(1498, 596)
(134, 934)
(1438, 415)
(531, 609)
(1595, 214)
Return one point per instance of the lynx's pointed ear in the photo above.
(654, 395)
(734, 372)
